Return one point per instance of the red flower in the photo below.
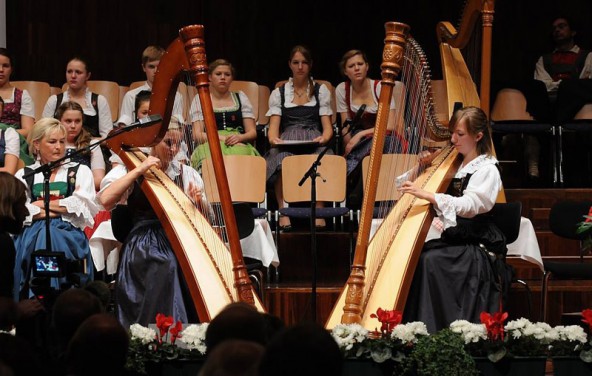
(163, 323)
(587, 317)
(589, 217)
(494, 324)
(176, 332)
(389, 319)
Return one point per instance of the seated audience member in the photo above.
(99, 347)
(304, 349)
(234, 116)
(13, 211)
(150, 60)
(19, 109)
(299, 110)
(9, 147)
(146, 249)
(237, 321)
(97, 114)
(71, 115)
(18, 356)
(8, 314)
(233, 357)
(351, 95)
(71, 208)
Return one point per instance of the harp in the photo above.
(212, 264)
(383, 266)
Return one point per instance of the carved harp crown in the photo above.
(214, 271)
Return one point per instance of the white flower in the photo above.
(145, 335)
(470, 332)
(572, 333)
(407, 333)
(194, 337)
(523, 327)
(11, 332)
(347, 335)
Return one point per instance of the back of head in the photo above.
(99, 347)
(233, 357)
(152, 53)
(8, 314)
(306, 349)
(70, 309)
(12, 203)
(18, 355)
(237, 321)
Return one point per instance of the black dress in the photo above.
(458, 275)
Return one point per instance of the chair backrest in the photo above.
(330, 184)
(391, 166)
(510, 104)
(39, 92)
(246, 178)
(331, 90)
(507, 217)
(251, 90)
(54, 90)
(585, 113)
(108, 89)
(264, 94)
(565, 216)
(122, 91)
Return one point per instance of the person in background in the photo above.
(71, 207)
(9, 147)
(299, 110)
(97, 114)
(71, 115)
(234, 116)
(150, 59)
(351, 95)
(455, 279)
(19, 109)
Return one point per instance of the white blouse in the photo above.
(80, 205)
(196, 113)
(342, 101)
(12, 143)
(275, 100)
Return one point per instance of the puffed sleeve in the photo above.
(195, 113)
(340, 98)
(97, 161)
(12, 142)
(275, 103)
(105, 122)
(81, 205)
(27, 105)
(116, 173)
(178, 106)
(246, 106)
(325, 99)
(127, 109)
(541, 74)
(50, 106)
(478, 198)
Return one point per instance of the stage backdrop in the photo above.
(257, 36)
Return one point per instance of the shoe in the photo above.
(285, 227)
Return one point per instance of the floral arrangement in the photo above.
(148, 345)
(585, 227)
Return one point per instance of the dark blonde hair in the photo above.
(308, 56)
(41, 129)
(12, 200)
(152, 53)
(218, 62)
(83, 138)
(348, 55)
(476, 121)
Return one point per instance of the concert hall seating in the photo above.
(39, 92)
(108, 89)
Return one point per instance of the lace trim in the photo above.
(476, 164)
(445, 210)
(79, 213)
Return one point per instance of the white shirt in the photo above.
(81, 205)
(541, 74)
(128, 104)
(97, 162)
(12, 142)
(105, 124)
(27, 104)
(342, 102)
(275, 100)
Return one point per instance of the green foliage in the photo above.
(443, 354)
(139, 355)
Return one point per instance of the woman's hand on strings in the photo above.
(195, 193)
(426, 157)
(413, 189)
(149, 162)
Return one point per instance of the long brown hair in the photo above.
(83, 138)
(12, 203)
(476, 121)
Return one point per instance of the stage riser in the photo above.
(290, 297)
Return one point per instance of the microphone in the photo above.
(142, 123)
(355, 123)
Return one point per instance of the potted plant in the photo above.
(566, 349)
(170, 345)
